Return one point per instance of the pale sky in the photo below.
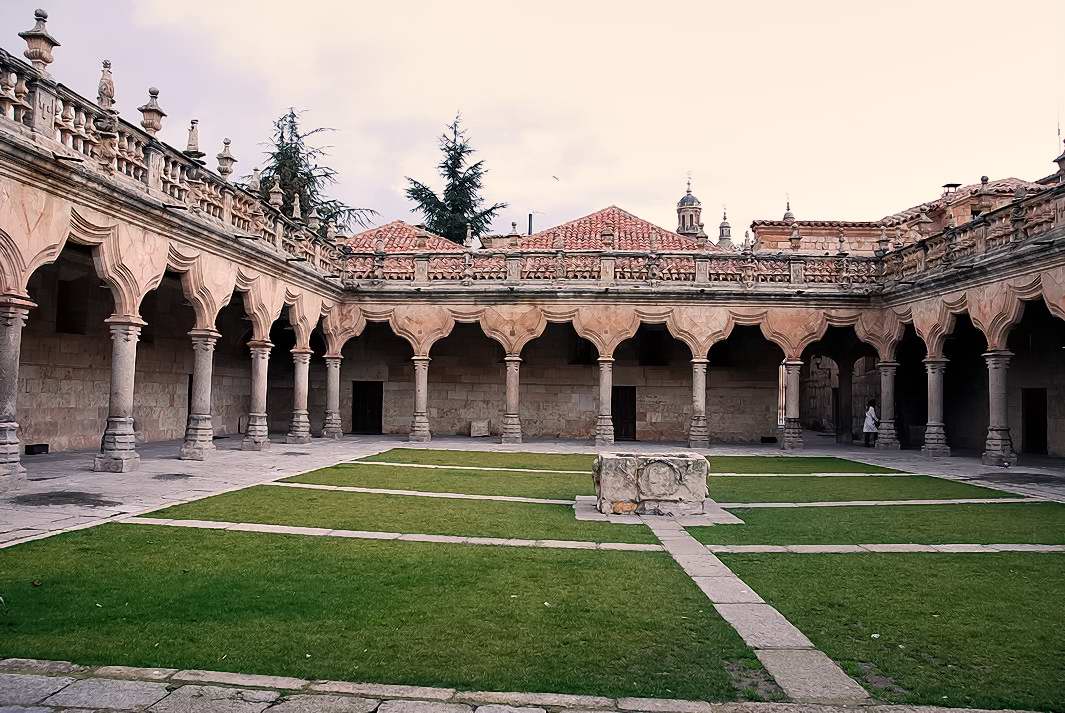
(854, 109)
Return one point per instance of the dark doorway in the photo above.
(623, 406)
(367, 399)
(1034, 421)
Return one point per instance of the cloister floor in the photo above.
(532, 608)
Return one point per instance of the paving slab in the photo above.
(897, 547)
(40, 666)
(215, 699)
(630, 547)
(727, 590)
(552, 700)
(702, 565)
(31, 709)
(378, 690)
(811, 676)
(314, 703)
(403, 706)
(664, 705)
(19, 688)
(960, 547)
(131, 672)
(747, 549)
(763, 627)
(109, 693)
(824, 549)
(239, 679)
(496, 708)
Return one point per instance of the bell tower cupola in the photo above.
(689, 213)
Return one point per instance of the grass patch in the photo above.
(1032, 523)
(791, 464)
(810, 489)
(401, 513)
(953, 630)
(484, 459)
(391, 612)
(444, 480)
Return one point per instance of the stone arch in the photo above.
(34, 226)
(344, 322)
(606, 326)
(421, 325)
(513, 326)
(305, 310)
(995, 308)
(207, 281)
(934, 319)
(699, 328)
(264, 298)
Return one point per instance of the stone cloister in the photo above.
(147, 297)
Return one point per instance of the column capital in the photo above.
(333, 362)
(260, 344)
(16, 303)
(998, 355)
(887, 364)
(512, 359)
(125, 320)
(605, 360)
(936, 364)
(420, 359)
(205, 334)
(700, 361)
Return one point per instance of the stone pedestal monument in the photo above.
(658, 484)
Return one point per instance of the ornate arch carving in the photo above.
(344, 322)
(304, 311)
(264, 298)
(421, 325)
(513, 326)
(606, 326)
(34, 226)
(207, 281)
(699, 327)
(995, 308)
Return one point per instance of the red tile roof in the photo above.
(398, 236)
(630, 233)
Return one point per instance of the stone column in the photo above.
(604, 424)
(12, 318)
(998, 448)
(199, 432)
(792, 426)
(118, 452)
(887, 438)
(845, 379)
(257, 435)
(698, 435)
(419, 425)
(512, 413)
(935, 435)
(299, 429)
(332, 427)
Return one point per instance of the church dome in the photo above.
(688, 200)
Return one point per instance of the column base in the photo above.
(698, 435)
(998, 449)
(419, 429)
(886, 438)
(935, 441)
(299, 429)
(511, 429)
(604, 431)
(332, 427)
(792, 435)
(199, 438)
(118, 452)
(12, 472)
(257, 437)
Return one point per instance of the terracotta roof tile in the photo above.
(630, 233)
(398, 236)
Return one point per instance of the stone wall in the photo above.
(821, 378)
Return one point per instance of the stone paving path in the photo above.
(30, 686)
(467, 467)
(956, 548)
(402, 537)
(424, 493)
(803, 672)
(865, 503)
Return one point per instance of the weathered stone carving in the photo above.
(666, 484)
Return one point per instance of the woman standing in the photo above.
(872, 425)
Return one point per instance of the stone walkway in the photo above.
(403, 537)
(870, 503)
(955, 548)
(424, 493)
(29, 686)
(803, 672)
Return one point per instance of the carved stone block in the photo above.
(659, 484)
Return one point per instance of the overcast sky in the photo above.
(856, 109)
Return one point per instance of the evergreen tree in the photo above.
(295, 165)
(460, 205)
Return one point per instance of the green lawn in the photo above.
(496, 618)
(484, 459)
(583, 461)
(1035, 523)
(952, 630)
(447, 480)
(797, 489)
(791, 465)
(401, 513)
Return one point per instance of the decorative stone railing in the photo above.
(82, 132)
(745, 270)
(992, 234)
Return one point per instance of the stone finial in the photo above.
(297, 211)
(39, 44)
(192, 148)
(841, 238)
(254, 184)
(105, 91)
(276, 195)
(606, 236)
(1060, 161)
(225, 161)
(557, 241)
(468, 242)
(330, 232)
(151, 114)
(789, 217)
(313, 220)
(513, 227)
(882, 242)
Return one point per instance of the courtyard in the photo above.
(366, 568)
